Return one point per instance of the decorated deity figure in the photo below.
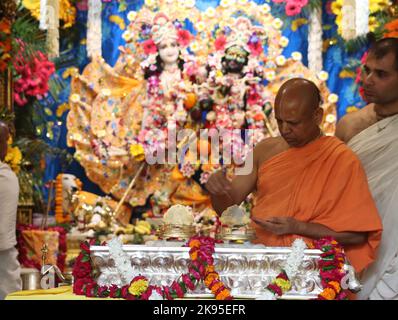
(121, 116)
(233, 94)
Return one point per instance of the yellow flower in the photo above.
(138, 287)
(138, 152)
(285, 285)
(13, 158)
(373, 24)
(337, 6)
(189, 3)
(150, 3)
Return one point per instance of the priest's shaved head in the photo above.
(298, 112)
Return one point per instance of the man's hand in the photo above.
(280, 225)
(219, 185)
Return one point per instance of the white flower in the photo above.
(131, 15)
(194, 46)
(323, 75)
(333, 98)
(280, 60)
(226, 3)
(106, 92)
(284, 42)
(74, 98)
(265, 8)
(277, 23)
(150, 3)
(270, 75)
(331, 118)
(210, 12)
(242, 2)
(189, 3)
(200, 26)
(297, 56)
(211, 116)
(127, 35)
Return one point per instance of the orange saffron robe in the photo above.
(322, 182)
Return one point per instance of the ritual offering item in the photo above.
(177, 223)
(235, 225)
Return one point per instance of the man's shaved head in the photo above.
(298, 112)
(4, 135)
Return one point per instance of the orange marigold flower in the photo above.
(223, 294)
(194, 243)
(210, 278)
(328, 294)
(194, 255)
(216, 286)
(335, 285)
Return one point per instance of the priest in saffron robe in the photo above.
(307, 185)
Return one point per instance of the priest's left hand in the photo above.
(280, 225)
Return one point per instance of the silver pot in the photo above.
(30, 279)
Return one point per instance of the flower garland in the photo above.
(200, 268)
(13, 157)
(5, 43)
(331, 270)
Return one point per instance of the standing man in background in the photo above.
(372, 133)
(10, 269)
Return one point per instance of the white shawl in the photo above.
(377, 148)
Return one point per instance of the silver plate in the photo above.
(245, 270)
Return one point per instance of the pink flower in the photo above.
(220, 43)
(301, 3)
(184, 37)
(292, 9)
(256, 48)
(149, 47)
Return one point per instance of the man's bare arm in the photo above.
(289, 225)
(225, 193)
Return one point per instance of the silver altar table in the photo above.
(246, 269)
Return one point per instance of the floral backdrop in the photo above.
(42, 84)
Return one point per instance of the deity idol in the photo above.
(119, 115)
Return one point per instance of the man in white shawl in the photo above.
(372, 133)
(10, 280)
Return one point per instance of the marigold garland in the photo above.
(200, 268)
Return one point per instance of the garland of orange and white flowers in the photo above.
(201, 267)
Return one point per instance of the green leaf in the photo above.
(86, 258)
